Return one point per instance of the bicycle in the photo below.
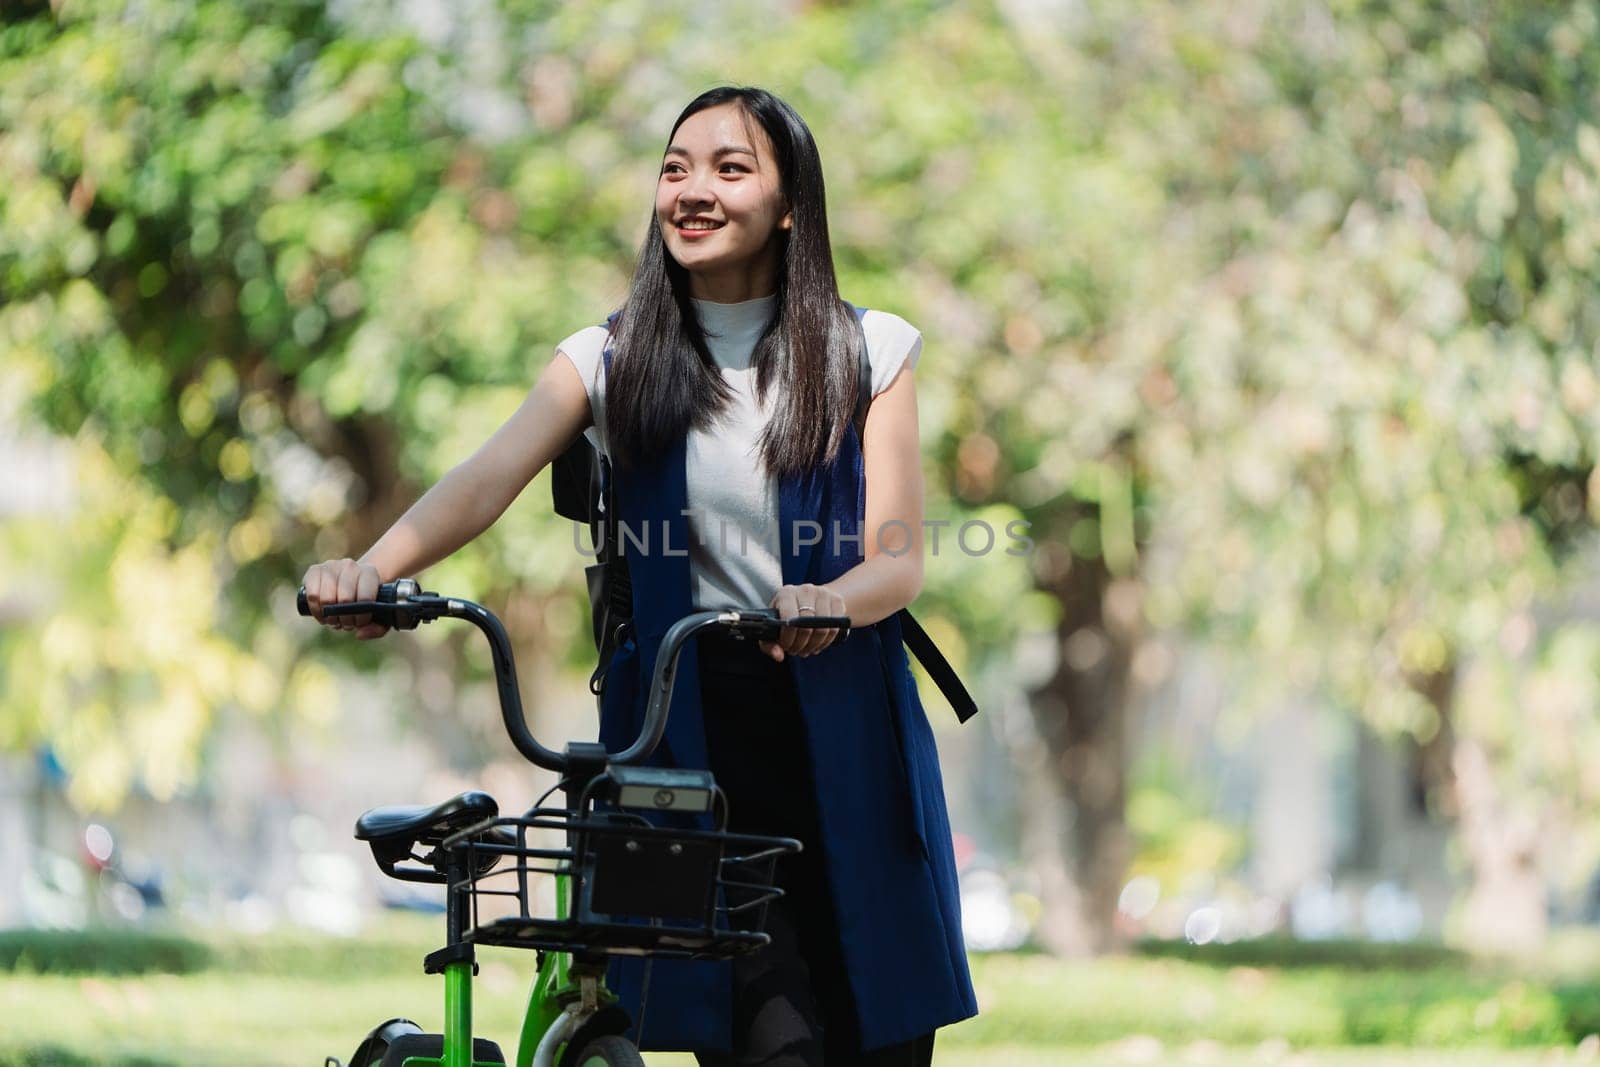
(631, 879)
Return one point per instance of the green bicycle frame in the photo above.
(551, 986)
(457, 1021)
(552, 989)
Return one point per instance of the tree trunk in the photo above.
(1505, 907)
(1082, 717)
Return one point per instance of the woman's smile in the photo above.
(694, 229)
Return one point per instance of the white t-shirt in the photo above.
(732, 500)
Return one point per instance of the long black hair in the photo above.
(663, 379)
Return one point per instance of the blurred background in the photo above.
(1276, 321)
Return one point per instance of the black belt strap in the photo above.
(938, 668)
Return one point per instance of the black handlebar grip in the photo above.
(352, 607)
(388, 593)
(821, 622)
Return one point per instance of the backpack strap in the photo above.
(916, 639)
(583, 490)
(614, 602)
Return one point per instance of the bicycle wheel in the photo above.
(371, 1051)
(432, 1046)
(609, 1051)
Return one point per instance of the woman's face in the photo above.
(719, 204)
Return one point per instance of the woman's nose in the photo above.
(697, 190)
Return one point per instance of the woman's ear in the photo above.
(787, 222)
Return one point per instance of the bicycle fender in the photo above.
(610, 1019)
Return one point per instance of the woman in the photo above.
(723, 394)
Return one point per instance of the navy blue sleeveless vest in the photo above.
(885, 833)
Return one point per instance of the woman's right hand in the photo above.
(339, 581)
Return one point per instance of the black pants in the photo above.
(791, 1000)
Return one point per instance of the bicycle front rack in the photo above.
(637, 888)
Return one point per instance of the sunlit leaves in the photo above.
(129, 668)
(1291, 315)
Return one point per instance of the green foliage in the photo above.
(1319, 290)
(1288, 953)
(270, 292)
(395, 944)
(1355, 464)
(1176, 837)
(262, 274)
(1325, 996)
(58, 1056)
(1301, 997)
(299, 953)
(1580, 1005)
(105, 951)
(1290, 317)
(1444, 1013)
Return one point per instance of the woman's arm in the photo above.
(467, 500)
(890, 577)
(476, 492)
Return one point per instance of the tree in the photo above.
(270, 292)
(1277, 325)
(1332, 405)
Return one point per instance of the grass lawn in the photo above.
(282, 1001)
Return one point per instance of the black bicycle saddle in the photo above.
(423, 824)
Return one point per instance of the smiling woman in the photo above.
(726, 388)
(721, 206)
(747, 165)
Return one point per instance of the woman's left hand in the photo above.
(792, 600)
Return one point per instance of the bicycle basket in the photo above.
(635, 888)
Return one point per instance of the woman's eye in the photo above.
(676, 168)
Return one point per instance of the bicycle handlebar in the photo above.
(403, 605)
